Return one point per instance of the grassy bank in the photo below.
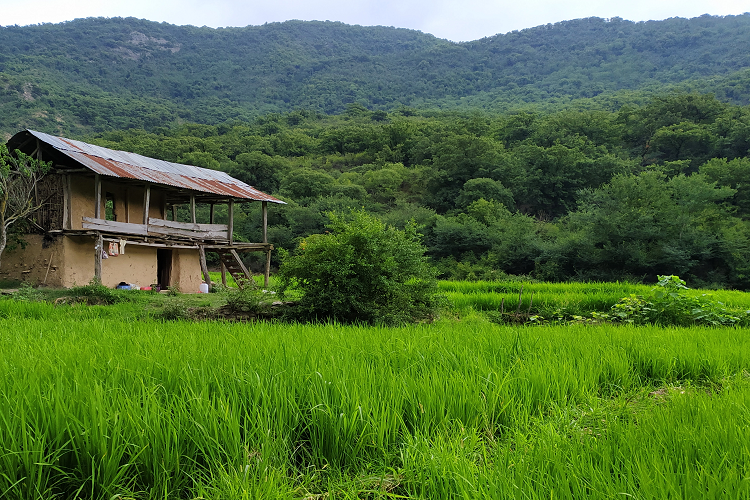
(93, 405)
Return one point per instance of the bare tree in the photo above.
(19, 176)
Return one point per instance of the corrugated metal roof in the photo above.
(122, 164)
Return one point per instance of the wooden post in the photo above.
(264, 204)
(97, 196)
(68, 216)
(174, 212)
(192, 208)
(211, 216)
(98, 248)
(230, 231)
(146, 204)
(204, 266)
(127, 205)
(223, 274)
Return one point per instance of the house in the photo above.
(111, 215)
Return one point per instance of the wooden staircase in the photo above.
(236, 268)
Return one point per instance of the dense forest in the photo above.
(662, 188)
(97, 74)
(585, 150)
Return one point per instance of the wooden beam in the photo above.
(146, 203)
(264, 204)
(152, 221)
(98, 248)
(127, 205)
(110, 226)
(168, 246)
(242, 266)
(192, 208)
(230, 229)
(68, 195)
(204, 266)
(97, 196)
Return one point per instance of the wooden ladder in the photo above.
(236, 268)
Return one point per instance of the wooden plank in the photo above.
(242, 266)
(155, 245)
(187, 225)
(242, 247)
(204, 266)
(98, 248)
(97, 196)
(264, 205)
(182, 233)
(114, 227)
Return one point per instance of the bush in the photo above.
(95, 294)
(669, 304)
(248, 299)
(361, 271)
(27, 293)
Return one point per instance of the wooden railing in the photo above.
(161, 227)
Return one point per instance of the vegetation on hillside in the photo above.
(106, 74)
(584, 195)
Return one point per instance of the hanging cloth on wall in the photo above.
(114, 249)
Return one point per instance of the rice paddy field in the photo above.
(100, 402)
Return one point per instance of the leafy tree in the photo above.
(487, 189)
(362, 270)
(19, 176)
(734, 174)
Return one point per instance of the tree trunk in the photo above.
(3, 240)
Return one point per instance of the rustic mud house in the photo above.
(107, 215)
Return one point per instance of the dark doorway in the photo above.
(164, 267)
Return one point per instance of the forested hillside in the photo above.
(590, 149)
(101, 74)
(591, 195)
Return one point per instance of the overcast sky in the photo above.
(452, 19)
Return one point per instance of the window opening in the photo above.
(109, 207)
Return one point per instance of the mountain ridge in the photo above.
(99, 74)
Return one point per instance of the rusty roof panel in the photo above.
(122, 164)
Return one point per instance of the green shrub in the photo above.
(27, 293)
(249, 299)
(361, 271)
(669, 304)
(95, 293)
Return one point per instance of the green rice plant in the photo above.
(93, 405)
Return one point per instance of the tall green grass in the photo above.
(92, 406)
(564, 299)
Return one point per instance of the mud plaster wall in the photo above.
(186, 270)
(137, 265)
(128, 201)
(30, 264)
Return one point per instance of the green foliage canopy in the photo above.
(361, 271)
